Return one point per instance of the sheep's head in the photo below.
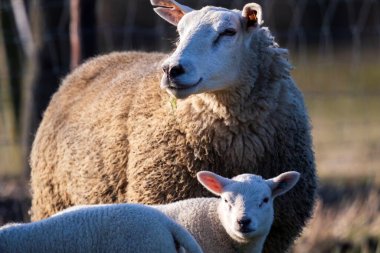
(211, 44)
(246, 201)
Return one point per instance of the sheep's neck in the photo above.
(231, 107)
(229, 130)
(241, 105)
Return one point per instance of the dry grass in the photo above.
(353, 226)
(347, 137)
(344, 101)
(343, 98)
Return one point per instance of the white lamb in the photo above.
(100, 228)
(238, 221)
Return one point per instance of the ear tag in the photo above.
(252, 18)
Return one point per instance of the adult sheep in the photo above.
(110, 134)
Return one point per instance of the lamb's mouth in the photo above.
(245, 234)
(178, 86)
(246, 231)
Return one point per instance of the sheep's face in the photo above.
(246, 209)
(246, 201)
(209, 52)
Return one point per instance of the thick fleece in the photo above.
(103, 228)
(111, 135)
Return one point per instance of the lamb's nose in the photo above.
(244, 223)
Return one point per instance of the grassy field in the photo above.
(347, 136)
(343, 98)
(344, 102)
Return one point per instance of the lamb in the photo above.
(240, 220)
(100, 228)
(111, 135)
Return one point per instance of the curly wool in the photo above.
(111, 135)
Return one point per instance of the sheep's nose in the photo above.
(176, 71)
(173, 71)
(244, 223)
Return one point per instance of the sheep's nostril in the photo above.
(176, 71)
(243, 223)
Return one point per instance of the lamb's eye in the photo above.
(265, 200)
(225, 201)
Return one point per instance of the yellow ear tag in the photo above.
(253, 17)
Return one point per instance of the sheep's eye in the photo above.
(265, 200)
(228, 32)
(225, 201)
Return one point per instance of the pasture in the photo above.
(344, 102)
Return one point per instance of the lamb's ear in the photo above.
(170, 10)
(253, 14)
(212, 182)
(283, 182)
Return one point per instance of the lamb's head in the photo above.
(211, 44)
(246, 201)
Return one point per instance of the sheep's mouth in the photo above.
(180, 90)
(177, 86)
(245, 231)
(242, 237)
(245, 234)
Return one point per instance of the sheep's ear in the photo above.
(283, 182)
(252, 13)
(170, 10)
(212, 182)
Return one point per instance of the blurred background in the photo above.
(334, 47)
